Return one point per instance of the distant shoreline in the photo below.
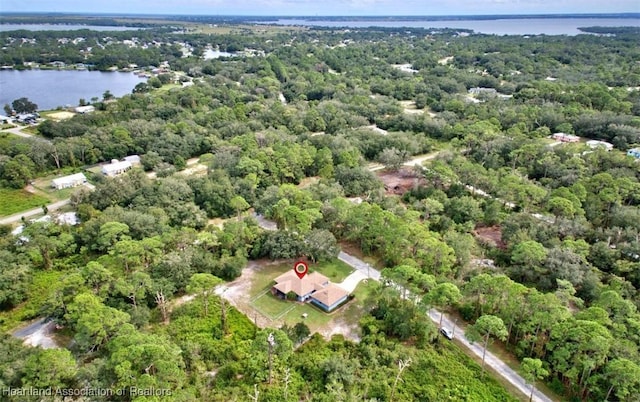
(10, 17)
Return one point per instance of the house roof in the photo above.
(132, 158)
(116, 166)
(85, 109)
(69, 179)
(289, 282)
(330, 294)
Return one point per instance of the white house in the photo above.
(73, 180)
(116, 167)
(593, 144)
(133, 159)
(481, 90)
(85, 109)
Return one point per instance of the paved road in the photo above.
(32, 212)
(360, 265)
(367, 271)
(38, 333)
(265, 223)
(490, 359)
(18, 131)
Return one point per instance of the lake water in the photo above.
(62, 27)
(51, 88)
(523, 26)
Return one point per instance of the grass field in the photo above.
(33, 130)
(14, 201)
(169, 87)
(271, 306)
(290, 312)
(43, 184)
(335, 270)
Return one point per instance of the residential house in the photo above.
(563, 137)
(483, 91)
(116, 168)
(313, 287)
(303, 288)
(593, 144)
(85, 109)
(73, 180)
(133, 159)
(634, 152)
(329, 297)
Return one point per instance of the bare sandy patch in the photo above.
(61, 115)
(445, 60)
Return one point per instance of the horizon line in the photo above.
(88, 13)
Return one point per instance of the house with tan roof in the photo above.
(313, 287)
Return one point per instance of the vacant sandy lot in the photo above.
(61, 115)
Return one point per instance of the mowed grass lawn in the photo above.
(316, 318)
(271, 306)
(14, 201)
(44, 184)
(335, 270)
(291, 312)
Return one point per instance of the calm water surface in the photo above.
(524, 26)
(51, 88)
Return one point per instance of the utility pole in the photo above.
(272, 342)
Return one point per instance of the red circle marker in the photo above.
(300, 268)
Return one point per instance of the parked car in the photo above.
(447, 333)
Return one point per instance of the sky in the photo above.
(324, 7)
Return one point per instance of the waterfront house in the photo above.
(73, 180)
(85, 109)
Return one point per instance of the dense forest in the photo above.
(561, 291)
